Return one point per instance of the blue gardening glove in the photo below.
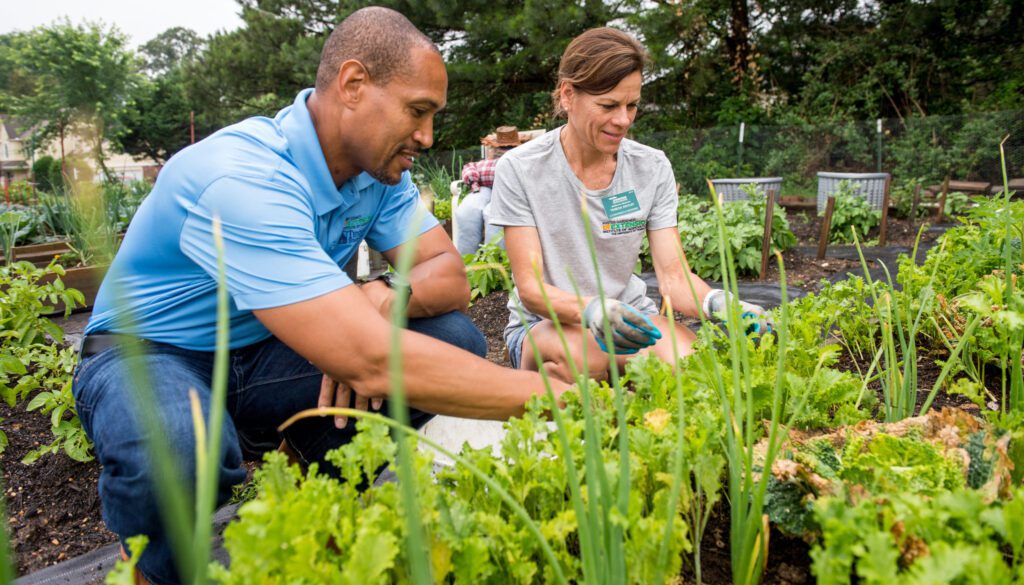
(717, 301)
(631, 329)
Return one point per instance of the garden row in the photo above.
(827, 429)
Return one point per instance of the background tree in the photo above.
(47, 174)
(715, 61)
(82, 79)
(157, 126)
(170, 50)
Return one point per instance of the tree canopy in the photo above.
(71, 76)
(714, 62)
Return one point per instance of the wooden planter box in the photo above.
(797, 203)
(84, 278)
(38, 254)
(42, 254)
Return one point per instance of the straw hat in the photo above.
(503, 137)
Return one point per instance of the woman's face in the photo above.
(601, 121)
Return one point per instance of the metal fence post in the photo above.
(878, 131)
(739, 149)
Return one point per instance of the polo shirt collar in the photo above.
(297, 126)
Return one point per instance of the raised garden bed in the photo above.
(788, 561)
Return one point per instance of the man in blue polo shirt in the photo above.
(294, 196)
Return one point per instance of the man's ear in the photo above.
(351, 82)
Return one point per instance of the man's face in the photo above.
(399, 116)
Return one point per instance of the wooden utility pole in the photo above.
(63, 171)
(192, 126)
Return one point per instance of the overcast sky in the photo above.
(140, 19)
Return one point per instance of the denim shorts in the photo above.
(514, 340)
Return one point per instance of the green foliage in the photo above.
(53, 368)
(980, 305)
(472, 537)
(158, 124)
(744, 224)
(123, 572)
(816, 395)
(47, 174)
(26, 298)
(969, 251)
(443, 209)
(840, 310)
(92, 216)
(1002, 310)
(33, 361)
(890, 464)
(82, 80)
(851, 212)
(487, 270)
(954, 537)
(437, 177)
(956, 146)
(19, 224)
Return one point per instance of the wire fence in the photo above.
(917, 150)
(924, 150)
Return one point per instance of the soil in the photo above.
(789, 561)
(54, 509)
(53, 504)
(490, 314)
(804, 270)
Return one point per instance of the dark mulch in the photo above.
(804, 270)
(490, 314)
(789, 561)
(53, 505)
(927, 373)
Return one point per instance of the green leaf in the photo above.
(39, 400)
(12, 365)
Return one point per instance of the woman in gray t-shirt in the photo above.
(628, 189)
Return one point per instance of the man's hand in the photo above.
(631, 330)
(336, 394)
(717, 301)
(380, 295)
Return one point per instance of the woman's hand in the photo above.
(631, 330)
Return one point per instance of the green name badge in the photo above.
(621, 204)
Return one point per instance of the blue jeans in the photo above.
(475, 227)
(267, 383)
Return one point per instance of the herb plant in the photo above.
(487, 270)
(852, 212)
(698, 231)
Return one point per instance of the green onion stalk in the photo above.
(748, 480)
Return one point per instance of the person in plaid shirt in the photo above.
(479, 174)
(474, 209)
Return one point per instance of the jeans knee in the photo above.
(453, 328)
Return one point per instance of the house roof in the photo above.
(16, 129)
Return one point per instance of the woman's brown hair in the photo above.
(596, 61)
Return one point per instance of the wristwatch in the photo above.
(395, 280)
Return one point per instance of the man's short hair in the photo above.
(379, 38)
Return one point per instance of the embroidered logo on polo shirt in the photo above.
(357, 222)
(354, 228)
(625, 226)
